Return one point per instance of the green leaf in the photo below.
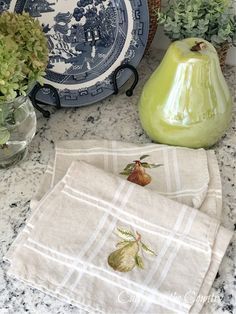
(201, 18)
(128, 169)
(156, 165)
(125, 234)
(125, 173)
(145, 165)
(122, 244)
(4, 135)
(4, 112)
(147, 249)
(143, 157)
(139, 261)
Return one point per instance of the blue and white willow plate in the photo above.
(88, 40)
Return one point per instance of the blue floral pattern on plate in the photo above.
(88, 40)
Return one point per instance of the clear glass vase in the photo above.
(17, 129)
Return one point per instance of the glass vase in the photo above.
(17, 129)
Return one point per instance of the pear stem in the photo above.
(138, 237)
(199, 46)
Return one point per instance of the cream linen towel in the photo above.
(188, 176)
(64, 247)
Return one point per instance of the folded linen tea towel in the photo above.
(188, 176)
(110, 246)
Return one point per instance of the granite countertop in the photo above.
(115, 118)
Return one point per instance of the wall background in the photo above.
(162, 42)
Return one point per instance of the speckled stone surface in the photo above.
(115, 118)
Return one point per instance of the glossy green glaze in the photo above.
(186, 102)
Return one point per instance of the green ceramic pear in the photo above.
(186, 102)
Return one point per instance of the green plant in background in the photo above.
(23, 59)
(212, 20)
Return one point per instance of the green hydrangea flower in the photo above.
(23, 54)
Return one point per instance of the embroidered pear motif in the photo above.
(136, 171)
(126, 257)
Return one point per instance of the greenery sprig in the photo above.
(212, 20)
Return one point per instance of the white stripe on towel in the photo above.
(106, 235)
(54, 171)
(92, 268)
(94, 235)
(167, 171)
(176, 171)
(177, 225)
(109, 153)
(106, 149)
(171, 258)
(164, 249)
(174, 252)
(162, 252)
(114, 157)
(161, 231)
